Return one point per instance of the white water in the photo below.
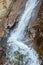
(30, 56)
(25, 18)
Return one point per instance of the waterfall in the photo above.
(18, 53)
(29, 9)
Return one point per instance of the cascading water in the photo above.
(18, 53)
(25, 18)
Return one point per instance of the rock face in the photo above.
(5, 5)
(37, 33)
(10, 11)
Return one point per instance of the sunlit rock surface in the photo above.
(4, 7)
(10, 11)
